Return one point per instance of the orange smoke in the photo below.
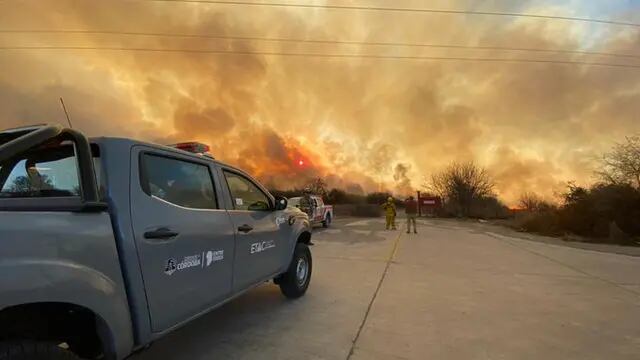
(362, 124)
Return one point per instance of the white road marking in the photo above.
(424, 222)
(359, 223)
(330, 231)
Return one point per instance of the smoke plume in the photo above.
(362, 124)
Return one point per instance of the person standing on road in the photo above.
(411, 209)
(390, 213)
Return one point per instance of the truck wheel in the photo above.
(327, 221)
(295, 281)
(34, 350)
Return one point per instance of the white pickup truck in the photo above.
(319, 212)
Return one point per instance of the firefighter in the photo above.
(390, 213)
(411, 209)
(306, 204)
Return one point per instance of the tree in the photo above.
(531, 202)
(460, 184)
(622, 164)
(528, 201)
(24, 184)
(489, 207)
(21, 184)
(318, 186)
(574, 194)
(336, 196)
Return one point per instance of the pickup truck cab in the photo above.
(107, 244)
(319, 213)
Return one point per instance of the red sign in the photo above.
(430, 201)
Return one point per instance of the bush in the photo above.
(590, 212)
(367, 210)
(533, 203)
(378, 197)
(359, 210)
(605, 213)
(337, 196)
(619, 204)
(488, 207)
(543, 222)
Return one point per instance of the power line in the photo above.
(399, 9)
(321, 41)
(321, 55)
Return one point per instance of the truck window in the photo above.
(45, 172)
(294, 202)
(245, 194)
(178, 182)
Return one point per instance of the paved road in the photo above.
(454, 291)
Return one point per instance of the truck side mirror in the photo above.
(281, 203)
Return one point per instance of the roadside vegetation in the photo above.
(601, 213)
(607, 211)
(467, 191)
(345, 203)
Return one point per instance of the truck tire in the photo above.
(295, 281)
(327, 221)
(34, 350)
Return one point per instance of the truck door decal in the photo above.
(262, 246)
(206, 259)
(170, 268)
(214, 256)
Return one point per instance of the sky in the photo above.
(362, 124)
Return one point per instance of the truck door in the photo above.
(259, 248)
(320, 209)
(317, 209)
(185, 240)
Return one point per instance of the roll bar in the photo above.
(88, 187)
